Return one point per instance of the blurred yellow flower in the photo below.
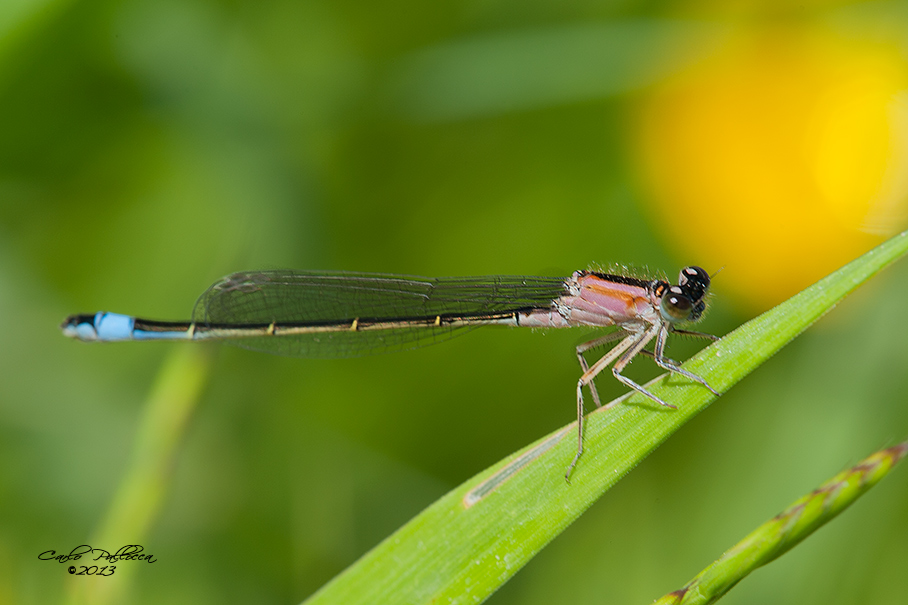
(780, 158)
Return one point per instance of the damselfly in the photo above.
(349, 314)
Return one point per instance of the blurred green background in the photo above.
(150, 147)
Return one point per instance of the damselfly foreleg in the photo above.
(667, 364)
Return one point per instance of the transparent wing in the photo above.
(337, 299)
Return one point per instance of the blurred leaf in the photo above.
(143, 490)
(472, 540)
(498, 73)
(17, 15)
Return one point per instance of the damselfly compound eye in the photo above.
(694, 281)
(675, 305)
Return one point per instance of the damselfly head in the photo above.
(694, 281)
(685, 302)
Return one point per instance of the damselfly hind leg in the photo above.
(592, 344)
(587, 378)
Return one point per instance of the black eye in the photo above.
(675, 306)
(694, 281)
(693, 273)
